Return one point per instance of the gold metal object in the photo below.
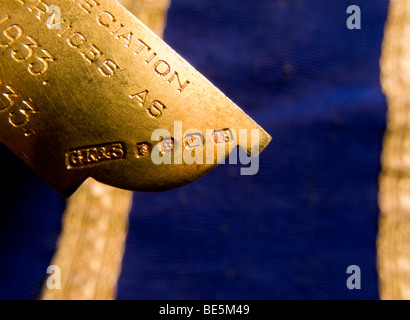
(84, 87)
(95, 222)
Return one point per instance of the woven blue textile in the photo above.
(289, 232)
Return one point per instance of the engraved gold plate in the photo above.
(87, 90)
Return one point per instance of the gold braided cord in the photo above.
(394, 197)
(95, 224)
(151, 12)
(91, 246)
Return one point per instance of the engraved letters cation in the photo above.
(140, 48)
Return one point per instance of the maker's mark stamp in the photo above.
(95, 155)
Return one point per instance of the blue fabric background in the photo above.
(289, 232)
(292, 230)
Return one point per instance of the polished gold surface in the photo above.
(83, 88)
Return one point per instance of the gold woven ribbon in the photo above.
(394, 196)
(95, 223)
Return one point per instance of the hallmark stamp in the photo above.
(167, 145)
(143, 150)
(192, 141)
(223, 136)
(91, 156)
